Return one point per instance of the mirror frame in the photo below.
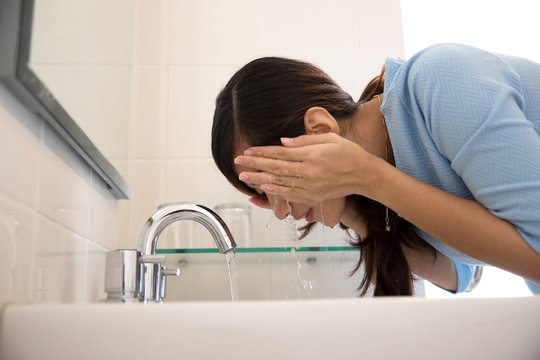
(16, 18)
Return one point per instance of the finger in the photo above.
(259, 178)
(298, 200)
(276, 152)
(303, 201)
(271, 166)
(305, 140)
(294, 194)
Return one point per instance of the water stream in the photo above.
(233, 275)
(293, 234)
(305, 286)
(324, 239)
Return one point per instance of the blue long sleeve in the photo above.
(478, 123)
(465, 275)
(468, 122)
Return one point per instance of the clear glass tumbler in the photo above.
(238, 219)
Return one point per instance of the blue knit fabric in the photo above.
(465, 274)
(467, 121)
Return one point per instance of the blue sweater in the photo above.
(467, 121)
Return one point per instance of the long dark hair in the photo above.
(266, 100)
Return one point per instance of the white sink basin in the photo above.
(389, 328)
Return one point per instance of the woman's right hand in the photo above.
(311, 167)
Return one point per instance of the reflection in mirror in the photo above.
(70, 62)
(82, 52)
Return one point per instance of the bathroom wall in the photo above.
(187, 52)
(56, 218)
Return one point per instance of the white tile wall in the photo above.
(20, 163)
(56, 218)
(213, 32)
(108, 219)
(63, 192)
(150, 112)
(60, 264)
(147, 193)
(17, 247)
(192, 90)
(324, 32)
(152, 31)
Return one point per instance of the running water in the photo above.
(324, 239)
(233, 276)
(306, 284)
(293, 234)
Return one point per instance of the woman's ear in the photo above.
(319, 121)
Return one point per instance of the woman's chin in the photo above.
(329, 223)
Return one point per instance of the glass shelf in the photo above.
(263, 273)
(260, 250)
(286, 254)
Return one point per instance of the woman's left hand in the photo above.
(312, 167)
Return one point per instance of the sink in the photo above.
(346, 328)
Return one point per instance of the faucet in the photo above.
(141, 276)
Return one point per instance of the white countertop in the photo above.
(357, 328)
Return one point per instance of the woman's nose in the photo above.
(281, 209)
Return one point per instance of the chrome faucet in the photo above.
(145, 280)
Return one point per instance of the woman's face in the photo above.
(328, 212)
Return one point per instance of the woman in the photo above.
(449, 140)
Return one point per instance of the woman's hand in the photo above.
(310, 167)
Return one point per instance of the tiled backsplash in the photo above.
(57, 220)
(56, 217)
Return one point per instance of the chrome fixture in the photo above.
(139, 275)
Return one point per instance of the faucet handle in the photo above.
(153, 263)
(170, 272)
(152, 259)
(163, 281)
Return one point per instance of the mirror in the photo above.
(71, 63)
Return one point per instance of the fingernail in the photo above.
(287, 141)
(243, 177)
(238, 160)
(248, 152)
